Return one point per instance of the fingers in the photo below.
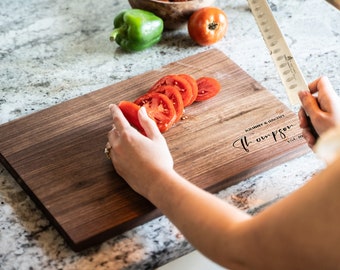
(307, 131)
(318, 109)
(321, 84)
(309, 137)
(313, 86)
(303, 118)
(309, 103)
(119, 121)
(149, 126)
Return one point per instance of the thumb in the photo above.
(309, 103)
(149, 125)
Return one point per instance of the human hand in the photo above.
(322, 105)
(138, 158)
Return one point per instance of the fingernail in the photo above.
(303, 93)
(112, 107)
(143, 110)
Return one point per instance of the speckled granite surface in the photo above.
(51, 51)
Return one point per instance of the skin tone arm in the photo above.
(300, 232)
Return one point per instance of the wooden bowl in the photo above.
(174, 14)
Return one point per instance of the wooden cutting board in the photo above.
(57, 156)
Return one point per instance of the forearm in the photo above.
(206, 221)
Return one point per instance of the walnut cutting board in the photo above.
(57, 156)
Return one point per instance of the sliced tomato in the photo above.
(175, 80)
(172, 92)
(160, 108)
(208, 87)
(193, 84)
(130, 111)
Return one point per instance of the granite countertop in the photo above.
(52, 51)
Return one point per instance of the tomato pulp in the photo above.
(159, 108)
(175, 80)
(208, 87)
(193, 85)
(173, 93)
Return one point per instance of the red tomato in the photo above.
(207, 25)
(172, 92)
(207, 88)
(175, 80)
(160, 108)
(193, 84)
(130, 111)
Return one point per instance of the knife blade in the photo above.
(289, 71)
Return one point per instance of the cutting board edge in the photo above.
(35, 199)
(113, 232)
(82, 244)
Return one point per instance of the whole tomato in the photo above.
(207, 25)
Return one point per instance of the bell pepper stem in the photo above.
(114, 33)
(136, 30)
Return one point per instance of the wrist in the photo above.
(164, 185)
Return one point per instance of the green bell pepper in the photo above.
(136, 29)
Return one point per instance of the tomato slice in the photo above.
(172, 92)
(208, 87)
(193, 84)
(130, 111)
(160, 108)
(180, 82)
